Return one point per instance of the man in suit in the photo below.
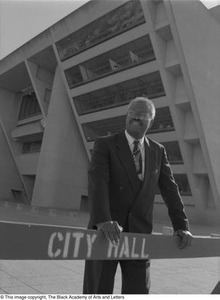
(124, 173)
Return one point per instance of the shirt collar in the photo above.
(131, 139)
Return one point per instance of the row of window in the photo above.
(133, 53)
(163, 122)
(173, 152)
(181, 180)
(119, 94)
(119, 20)
(172, 149)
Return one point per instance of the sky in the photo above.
(21, 20)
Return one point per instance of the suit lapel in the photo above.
(149, 163)
(126, 158)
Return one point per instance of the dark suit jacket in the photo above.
(115, 192)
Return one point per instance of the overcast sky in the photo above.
(21, 20)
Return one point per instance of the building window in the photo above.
(29, 106)
(117, 21)
(173, 152)
(47, 96)
(31, 147)
(74, 75)
(183, 183)
(95, 129)
(162, 122)
(120, 94)
(105, 127)
(131, 54)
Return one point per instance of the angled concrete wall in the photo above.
(62, 169)
(9, 176)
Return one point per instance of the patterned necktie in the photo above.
(137, 158)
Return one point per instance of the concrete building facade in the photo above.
(72, 83)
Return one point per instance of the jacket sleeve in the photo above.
(98, 179)
(171, 195)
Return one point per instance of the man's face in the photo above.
(138, 119)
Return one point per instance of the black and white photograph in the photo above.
(109, 149)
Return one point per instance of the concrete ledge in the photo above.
(50, 211)
(215, 235)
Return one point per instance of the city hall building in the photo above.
(72, 83)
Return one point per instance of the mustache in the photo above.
(136, 121)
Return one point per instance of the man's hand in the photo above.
(186, 238)
(112, 231)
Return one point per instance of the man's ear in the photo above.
(151, 123)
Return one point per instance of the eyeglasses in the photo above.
(141, 116)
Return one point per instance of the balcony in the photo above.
(131, 54)
(27, 164)
(149, 85)
(113, 23)
(162, 123)
(28, 131)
